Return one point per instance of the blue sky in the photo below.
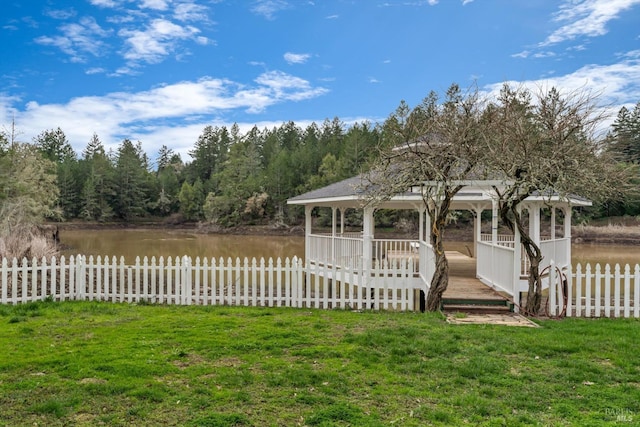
(159, 71)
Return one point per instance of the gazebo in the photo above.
(500, 262)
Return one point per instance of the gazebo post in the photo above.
(534, 223)
(517, 265)
(477, 230)
(553, 222)
(307, 231)
(367, 239)
(567, 230)
(334, 227)
(342, 210)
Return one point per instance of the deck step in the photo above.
(475, 301)
(478, 309)
(476, 305)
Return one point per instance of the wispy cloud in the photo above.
(190, 12)
(156, 41)
(296, 58)
(154, 4)
(124, 114)
(61, 13)
(269, 8)
(615, 84)
(586, 18)
(78, 39)
(105, 3)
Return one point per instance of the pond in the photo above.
(134, 242)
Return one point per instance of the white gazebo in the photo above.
(500, 262)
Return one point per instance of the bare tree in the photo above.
(435, 146)
(546, 143)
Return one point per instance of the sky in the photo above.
(159, 71)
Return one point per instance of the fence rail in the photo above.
(205, 281)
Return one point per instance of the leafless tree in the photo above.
(547, 143)
(435, 146)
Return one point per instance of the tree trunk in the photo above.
(512, 218)
(439, 282)
(440, 279)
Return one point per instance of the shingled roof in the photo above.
(348, 188)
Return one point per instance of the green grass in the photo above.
(111, 364)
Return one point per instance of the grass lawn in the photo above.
(91, 363)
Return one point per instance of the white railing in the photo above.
(503, 239)
(207, 282)
(348, 251)
(494, 266)
(556, 250)
(338, 251)
(596, 292)
(396, 251)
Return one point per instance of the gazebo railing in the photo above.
(348, 251)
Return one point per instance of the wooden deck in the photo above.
(463, 284)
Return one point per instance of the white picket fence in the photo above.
(595, 292)
(288, 283)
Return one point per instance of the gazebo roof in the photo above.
(351, 192)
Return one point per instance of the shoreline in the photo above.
(628, 235)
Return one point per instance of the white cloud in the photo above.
(105, 3)
(78, 39)
(190, 12)
(614, 85)
(586, 18)
(156, 41)
(332, 17)
(61, 13)
(466, 2)
(121, 115)
(268, 8)
(154, 4)
(296, 58)
(95, 70)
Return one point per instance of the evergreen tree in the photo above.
(131, 180)
(98, 191)
(625, 135)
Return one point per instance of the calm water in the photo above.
(132, 243)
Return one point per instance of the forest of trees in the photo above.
(230, 178)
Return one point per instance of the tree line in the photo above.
(229, 179)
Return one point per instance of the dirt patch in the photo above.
(512, 319)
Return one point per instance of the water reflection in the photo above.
(133, 243)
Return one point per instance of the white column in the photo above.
(367, 238)
(477, 231)
(421, 224)
(534, 223)
(567, 231)
(307, 231)
(427, 227)
(494, 222)
(342, 211)
(553, 222)
(334, 227)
